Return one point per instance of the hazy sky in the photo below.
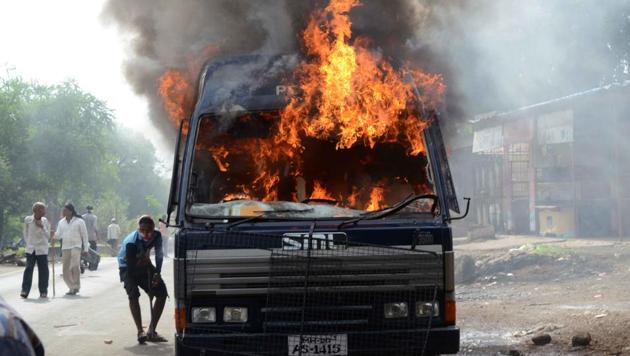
(50, 41)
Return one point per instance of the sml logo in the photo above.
(319, 241)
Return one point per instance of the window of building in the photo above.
(520, 189)
(520, 170)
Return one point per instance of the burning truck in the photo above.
(313, 199)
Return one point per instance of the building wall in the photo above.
(573, 183)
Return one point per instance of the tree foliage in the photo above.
(59, 143)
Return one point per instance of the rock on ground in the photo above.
(581, 339)
(541, 339)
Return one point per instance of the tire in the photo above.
(92, 266)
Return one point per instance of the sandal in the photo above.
(155, 337)
(142, 337)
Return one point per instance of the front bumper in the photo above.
(442, 340)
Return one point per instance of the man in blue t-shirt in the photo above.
(137, 271)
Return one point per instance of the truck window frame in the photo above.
(434, 176)
(176, 175)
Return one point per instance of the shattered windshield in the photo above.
(242, 166)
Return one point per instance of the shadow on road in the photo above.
(38, 300)
(76, 296)
(151, 349)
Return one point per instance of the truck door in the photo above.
(439, 164)
(173, 199)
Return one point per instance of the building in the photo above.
(559, 168)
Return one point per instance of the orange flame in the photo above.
(350, 94)
(377, 197)
(236, 196)
(220, 154)
(177, 90)
(319, 192)
(350, 98)
(177, 95)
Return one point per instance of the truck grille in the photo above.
(315, 291)
(345, 289)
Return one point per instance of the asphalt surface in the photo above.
(82, 324)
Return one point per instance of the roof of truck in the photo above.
(250, 82)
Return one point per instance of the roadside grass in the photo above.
(19, 252)
(550, 250)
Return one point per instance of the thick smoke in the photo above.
(500, 55)
(495, 55)
(165, 35)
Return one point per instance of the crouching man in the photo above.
(137, 271)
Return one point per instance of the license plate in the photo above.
(311, 345)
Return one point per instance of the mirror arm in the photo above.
(465, 213)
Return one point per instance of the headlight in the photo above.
(204, 315)
(235, 315)
(396, 310)
(425, 309)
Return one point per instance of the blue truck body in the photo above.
(332, 292)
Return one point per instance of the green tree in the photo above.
(143, 187)
(69, 134)
(14, 96)
(58, 144)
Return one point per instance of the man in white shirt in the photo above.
(73, 234)
(36, 235)
(113, 234)
(91, 225)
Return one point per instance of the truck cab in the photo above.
(310, 251)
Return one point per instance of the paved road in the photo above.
(80, 325)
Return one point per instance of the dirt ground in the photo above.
(525, 286)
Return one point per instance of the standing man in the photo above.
(113, 234)
(73, 234)
(36, 235)
(90, 223)
(136, 271)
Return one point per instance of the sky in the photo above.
(51, 41)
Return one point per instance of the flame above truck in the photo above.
(343, 100)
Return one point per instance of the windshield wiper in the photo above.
(319, 200)
(378, 214)
(263, 214)
(285, 211)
